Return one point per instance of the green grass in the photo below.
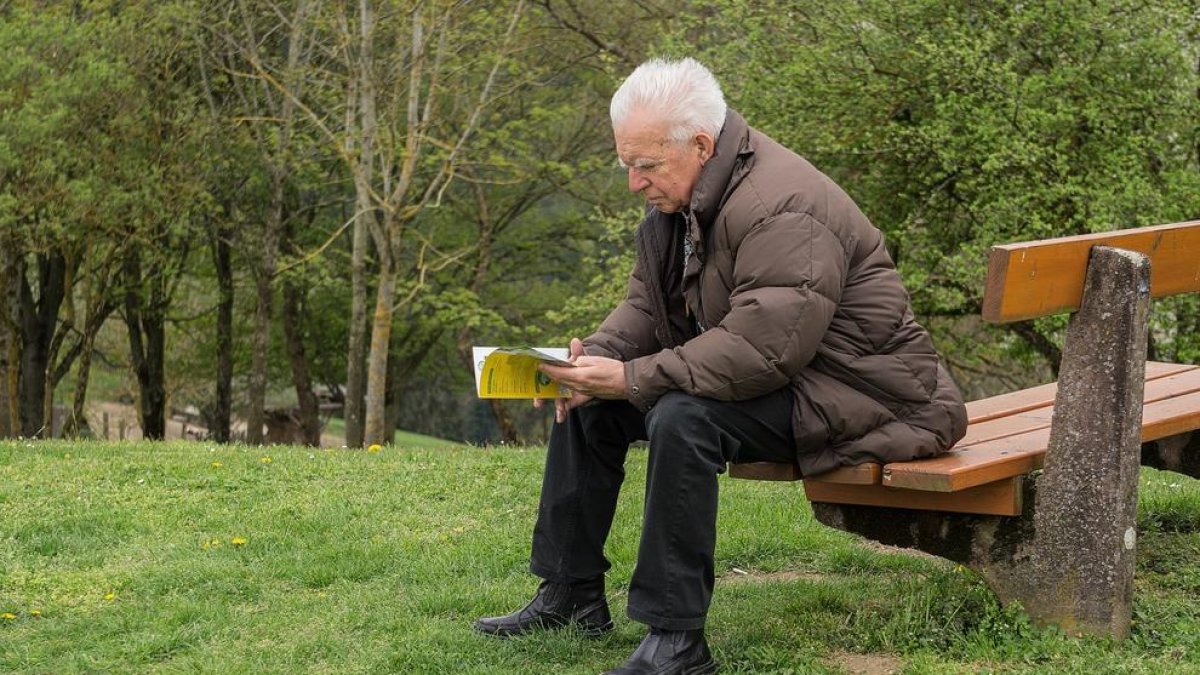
(358, 562)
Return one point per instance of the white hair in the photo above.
(684, 93)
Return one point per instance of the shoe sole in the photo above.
(595, 631)
(586, 630)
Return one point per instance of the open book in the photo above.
(511, 372)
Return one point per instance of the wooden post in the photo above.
(1085, 517)
(105, 416)
(121, 428)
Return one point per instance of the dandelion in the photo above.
(35, 613)
(238, 541)
(266, 459)
(374, 447)
(110, 596)
(8, 616)
(217, 465)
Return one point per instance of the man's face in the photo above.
(665, 172)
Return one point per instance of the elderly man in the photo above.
(764, 321)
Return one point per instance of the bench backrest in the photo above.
(1040, 278)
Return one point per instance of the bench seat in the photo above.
(1006, 438)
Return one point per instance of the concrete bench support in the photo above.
(1069, 557)
(1085, 520)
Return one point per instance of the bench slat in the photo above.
(861, 474)
(1015, 455)
(1157, 388)
(1011, 403)
(1039, 278)
(764, 471)
(870, 473)
(999, 498)
(990, 418)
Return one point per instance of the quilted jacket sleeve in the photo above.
(788, 272)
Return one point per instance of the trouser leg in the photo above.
(584, 471)
(691, 439)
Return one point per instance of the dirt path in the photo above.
(119, 413)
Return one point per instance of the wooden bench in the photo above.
(1040, 496)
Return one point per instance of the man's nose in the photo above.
(637, 182)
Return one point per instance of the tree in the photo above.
(60, 200)
(268, 49)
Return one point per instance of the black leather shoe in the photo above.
(555, 606)
(670, 652)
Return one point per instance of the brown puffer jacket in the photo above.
(796, 288)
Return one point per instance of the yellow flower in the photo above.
(35, 612)
(110, 596)
(374, 447)
(266, 459)
(217, 465)
(238, 541)
(8, 616)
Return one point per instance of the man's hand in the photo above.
(592, 377)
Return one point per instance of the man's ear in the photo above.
(705, 146)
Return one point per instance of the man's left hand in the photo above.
(595, 376)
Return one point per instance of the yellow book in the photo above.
(511, 372)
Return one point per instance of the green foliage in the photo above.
(145, 126)
(609, 263)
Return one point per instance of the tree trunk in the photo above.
(260, 344)
(50, 381)
(154, 385)
(76, 422)
(145, 321)
(361, 100)
(356, 357)
(38, 322)
(293, 331)
(99, 310)
(377, 362)
(219, 421)
(10, 349)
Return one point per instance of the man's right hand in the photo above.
(563, 405)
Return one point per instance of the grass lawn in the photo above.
(190, 557)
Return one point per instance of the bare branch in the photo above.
(582, 31)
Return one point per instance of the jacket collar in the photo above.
(717, 175)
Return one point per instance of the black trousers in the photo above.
(691, 439)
